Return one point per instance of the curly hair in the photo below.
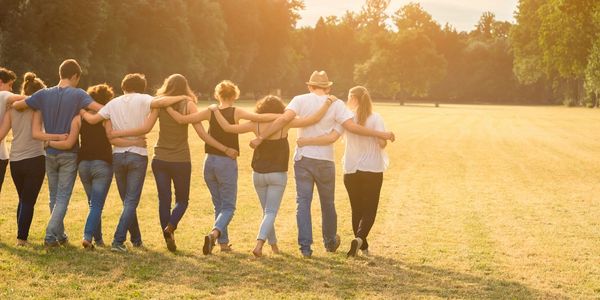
(101, 93)
(270, 105)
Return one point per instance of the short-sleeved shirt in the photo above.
(59, 105)
(23, 146)
(308, 104)
(363, 153)
(128, 112)
(4, 95)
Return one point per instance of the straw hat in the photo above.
(319, 79)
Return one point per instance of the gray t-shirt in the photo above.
(23, 145)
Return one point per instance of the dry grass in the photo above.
(480, 202)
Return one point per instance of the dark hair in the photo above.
(134, 83)
(101, 93)
(227, 90)
(7, 75)
(69, 68)
(176, 85)
(270, 105)
(31, 84)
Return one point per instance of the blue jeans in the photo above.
(96, 177)
(179, 173)
(270, 188)
(309, 172)
(61, 170)
(220, 175)
(130, 172)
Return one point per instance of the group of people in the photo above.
(62, 130)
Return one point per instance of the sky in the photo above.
(462, 14)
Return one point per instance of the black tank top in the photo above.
(214, 129)
(271, 155)
(94, 144)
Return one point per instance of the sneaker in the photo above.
(64, 242)
(170, 241)
(139, 245)
(118, 248)
(209, 243)
(100, 244)
(225, 247)
(22, 243)
(354, 246)
(336, 244)
(365, 252)
(87, 245)
(307, 254)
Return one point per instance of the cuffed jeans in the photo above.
(309, 172)
(96, 177)
(130, 172)
(28, 176)
(363, 190)
(179, 173)
(61, 170)
(270, 188)
(221, 175)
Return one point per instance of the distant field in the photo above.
(479, 202)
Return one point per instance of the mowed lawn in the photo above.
(479, 202)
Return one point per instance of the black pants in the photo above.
(28, 175)
(363, 189)
(3, 164)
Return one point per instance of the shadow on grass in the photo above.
(328, 276)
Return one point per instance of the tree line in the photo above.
(551, 54)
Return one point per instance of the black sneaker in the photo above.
(209, 243)
(354, 245)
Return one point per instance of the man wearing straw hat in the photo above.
(315, 164)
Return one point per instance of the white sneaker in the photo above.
(365, 252)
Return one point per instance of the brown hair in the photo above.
(7, 75)
(31, 84)
(227, 90)
(270, 105)
(102, 93)
(69, 68)
(365, 105)
(134, 83)
(176, 85)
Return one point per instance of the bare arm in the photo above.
(37, 132)
(121, 142)
(146, 127)
(196, 117)
(314, 118)
(71, 139)
(232, 128)
(5, 126)
(231, 153)
(254, 117)
(322, 140)
(161, 102)
(14, 98)
(20, 105)
(91, 118)
(95, 106)
(277, 125)
(351, 126)
(382, 143)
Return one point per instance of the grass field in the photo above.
(479, 202)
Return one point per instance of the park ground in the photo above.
(479, 202)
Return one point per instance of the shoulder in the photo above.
(4, 95)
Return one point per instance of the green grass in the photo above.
(479, 202)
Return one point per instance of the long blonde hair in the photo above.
(364, 106)
(176, 85)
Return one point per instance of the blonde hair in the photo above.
(227, 90)
(176, 85)
(365, 106)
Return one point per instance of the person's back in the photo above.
(306, 105)
(59, 105)
(128, 111)
(363, 152)
(172, 144)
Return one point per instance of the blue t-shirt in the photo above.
(59, 106)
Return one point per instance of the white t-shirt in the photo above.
(4, 95)
(128, 112)
(308, 104)
(363, 152)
